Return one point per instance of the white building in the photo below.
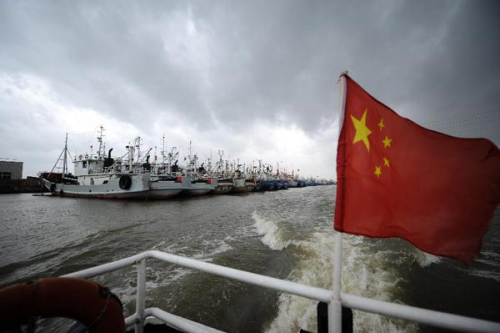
(11, 170)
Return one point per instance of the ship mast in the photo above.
(163, 150)
(65, 157)
(102, 147)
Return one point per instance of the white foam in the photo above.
(365, 273)
(486, 274)
(274, 237)
(211, 248)
(425, 259)
(165, 276)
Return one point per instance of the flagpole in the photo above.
(335, 306)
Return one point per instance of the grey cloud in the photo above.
(243, 63)
(264, 60)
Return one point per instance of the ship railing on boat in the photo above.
(422, 316)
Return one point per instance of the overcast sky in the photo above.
(257, 79)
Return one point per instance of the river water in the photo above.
(286, 234)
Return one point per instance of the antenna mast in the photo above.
(102, 148)
(65, 158)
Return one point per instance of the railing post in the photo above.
(141, 296)
(335, 304)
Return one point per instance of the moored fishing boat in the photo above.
(265, 185)
(224, 186)
(166, 179)
(200, 187)
(106, 186)
(276, 185)
(167, 187)
(221, 172)
(97, 176)
(240, 185)
(201, 182)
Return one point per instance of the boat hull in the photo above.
(243, 189)
(158, 194)
(196, 192)
(223, 188)
(161, 189)
(199, 188)
(138, 189)
(240, 185)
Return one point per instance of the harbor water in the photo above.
(285, 234)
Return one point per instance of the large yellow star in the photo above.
(362, 131)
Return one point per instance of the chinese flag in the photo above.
(398, 179)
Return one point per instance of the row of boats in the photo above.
(133, 177)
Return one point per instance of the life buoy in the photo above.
(85, 301)
(125, 182)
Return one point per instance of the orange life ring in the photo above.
(85, 301)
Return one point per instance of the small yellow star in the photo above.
(386, 162)
(381, 124)
(387, 142)
(377, 172)
(362, 132)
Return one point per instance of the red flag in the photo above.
(398, 179)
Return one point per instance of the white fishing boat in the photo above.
(200, 187)
(240, 182)
(224, 186)
(221, 172)
(241, 185)
(166, 180)
(97, 176)
(201, 182)
(167, 187)
(106, 186)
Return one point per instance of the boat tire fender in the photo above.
(125, 182)
(52, 187)
(62, 297)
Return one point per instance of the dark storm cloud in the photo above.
(464, 73)
(276, 61)
(210, 67)
(283, 59)
(102, 58)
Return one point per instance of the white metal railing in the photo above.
(423, 316)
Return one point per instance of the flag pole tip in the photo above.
(344, 73)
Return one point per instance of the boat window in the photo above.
(84, 164)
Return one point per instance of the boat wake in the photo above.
(366, 272)
(425, 259)
(273, 236)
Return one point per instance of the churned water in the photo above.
(286, 234)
